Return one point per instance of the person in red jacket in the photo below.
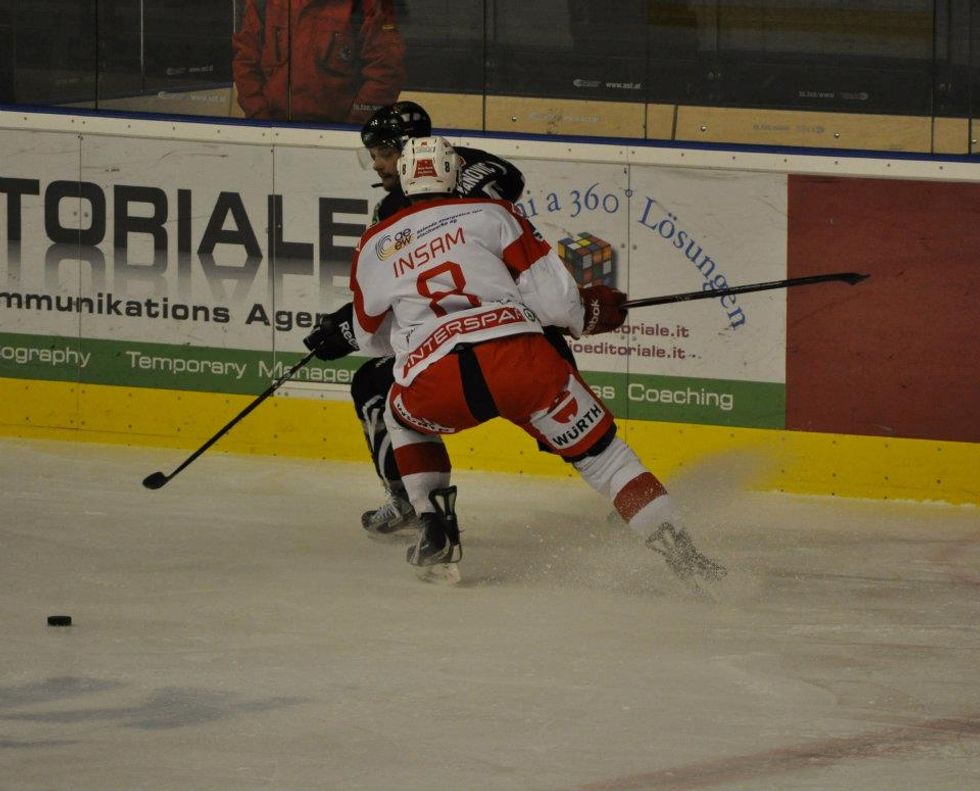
(317, 60)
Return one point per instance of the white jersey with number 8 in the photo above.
(452, 271)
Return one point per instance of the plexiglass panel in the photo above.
(50, 49)
(318, 62)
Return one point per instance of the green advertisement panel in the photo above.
(239, 371)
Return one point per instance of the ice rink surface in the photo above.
(237, 630)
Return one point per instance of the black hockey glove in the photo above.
(333, 337)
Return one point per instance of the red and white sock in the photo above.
(422, 461)
(636, 493)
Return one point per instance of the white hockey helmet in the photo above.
(428, 165)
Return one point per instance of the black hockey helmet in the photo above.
(393, 124)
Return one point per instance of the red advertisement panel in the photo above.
(899, 354)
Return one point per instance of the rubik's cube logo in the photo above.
(590, 259)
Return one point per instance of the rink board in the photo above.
(790, 461)
(149, 266)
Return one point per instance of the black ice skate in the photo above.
(394, 516)
(682, 558)
(437, 552)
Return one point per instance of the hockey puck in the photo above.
(59, 620)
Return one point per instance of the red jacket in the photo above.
(347, 59)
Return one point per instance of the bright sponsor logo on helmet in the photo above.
(387, 245)
(424, 167)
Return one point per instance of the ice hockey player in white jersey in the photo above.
(481, 175)
(458, 290)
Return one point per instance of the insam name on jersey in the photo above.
(428, 252)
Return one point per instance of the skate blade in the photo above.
(712, 572)
(440, 574)
(696, 590)
(406, 535)
(695, 582)
(404, 532)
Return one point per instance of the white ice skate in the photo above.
(682, 558)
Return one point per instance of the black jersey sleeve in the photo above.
(393, 202)
(484, 175)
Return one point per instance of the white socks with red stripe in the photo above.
(639, 498)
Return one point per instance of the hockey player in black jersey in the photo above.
(482, 175)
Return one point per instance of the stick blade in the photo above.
(851, 278)
(155, 480)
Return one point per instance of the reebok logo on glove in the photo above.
(604, 310)
(333, 337)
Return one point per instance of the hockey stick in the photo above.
(845, 277)
(157, 479)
